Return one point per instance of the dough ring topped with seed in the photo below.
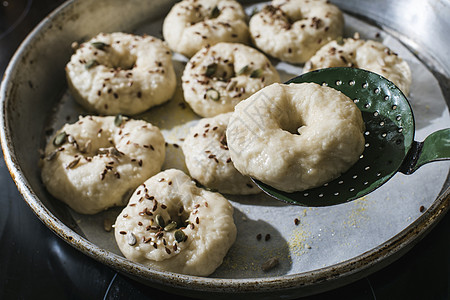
(172, 225)
(219, 77)
(293, 30)
(193, 24)
(295, 137)
(121, 73)
(208, 159)
(369, 55)
(97, 162)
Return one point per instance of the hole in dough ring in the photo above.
(208, 158)
(219, 77)
(193, 24)
(121, 73)
(369, 55)
(294, 30)
(295, 137)
(94, 164)
(170, 224)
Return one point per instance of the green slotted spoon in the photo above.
(389, 136)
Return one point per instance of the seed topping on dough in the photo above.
(256, 73)
(212, 94)
(60, 139)
(179, 236)
(99, 45)
(160, 221)
(73, 163)
(90, 64)
(131, 239)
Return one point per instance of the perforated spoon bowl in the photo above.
(389, 136)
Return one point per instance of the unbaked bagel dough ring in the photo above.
(219, 77)
(295, 137)
(369, 55)
(172, 225)
(121, 73)
(208, 158)
(97, 162)
(192, 24)
(293, 30)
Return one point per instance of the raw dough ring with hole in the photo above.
(297, 136)
(121, 73)
(192, 24)
(369, 55)
(172, 225)
(294, 30)
(219, 77)
(208, 159)
(97, 162)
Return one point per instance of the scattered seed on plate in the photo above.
(270, 264)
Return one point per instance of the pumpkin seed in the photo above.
(131, 239)
(242, 70)
(340, 40)
(118, 120)
(211, 69)
(171, 226)
(215, 12)
(213, 94)
(90, 64)
(179, 235)
(99, 45)
(60, 139)
(114, 152)
(160, 220)
(256, 73)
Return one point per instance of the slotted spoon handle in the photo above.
(434, 148)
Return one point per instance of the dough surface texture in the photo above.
(121, 73)
(97, 162)
(369, 55)
(295, 137)
(219, 77)
(194, 24)
(208, 159)
(293, 30)
(172, 225)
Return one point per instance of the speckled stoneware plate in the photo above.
(329, 246)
